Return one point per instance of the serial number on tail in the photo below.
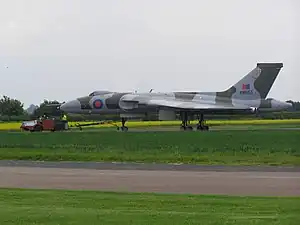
(248, 92)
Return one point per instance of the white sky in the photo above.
(63, 49)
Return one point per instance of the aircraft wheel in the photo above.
(199, 127)
(204, 128)
(124, 128)
(189, 128)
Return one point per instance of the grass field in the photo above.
(16, 125)
(45, 207)
(218, 147)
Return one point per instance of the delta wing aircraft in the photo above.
(246, 96)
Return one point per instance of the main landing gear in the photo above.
(123, 127)
(201, 125)
(185, 125)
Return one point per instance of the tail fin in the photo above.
(256, 84)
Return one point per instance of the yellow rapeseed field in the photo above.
(16, 125)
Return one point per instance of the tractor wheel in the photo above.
(38, 128)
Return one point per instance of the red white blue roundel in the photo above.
(98, 104)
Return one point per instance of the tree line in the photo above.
(13, 110)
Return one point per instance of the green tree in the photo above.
(11, 107)
(50, 108)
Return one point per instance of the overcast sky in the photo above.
(59, 49)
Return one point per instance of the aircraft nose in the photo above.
(71, 106)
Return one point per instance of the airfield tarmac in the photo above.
(177, 129)
(130, 177)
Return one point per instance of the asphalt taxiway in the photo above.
(130, 177)
(212, 128)
(145, 166)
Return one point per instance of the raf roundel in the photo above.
(98, 104)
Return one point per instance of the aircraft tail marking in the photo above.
(256, 84)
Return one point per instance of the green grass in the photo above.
(45, 207)
(218, 147)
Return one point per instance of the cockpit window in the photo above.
(99, 93)
(92, 94)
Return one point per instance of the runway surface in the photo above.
(194, 180)
(146, 166)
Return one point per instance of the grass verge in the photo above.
(49, 207)
(272, 147)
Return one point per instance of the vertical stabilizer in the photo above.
(256, 84)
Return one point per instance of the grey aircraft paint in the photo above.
(247, 95)
(113, 102)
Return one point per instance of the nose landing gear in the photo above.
(123, 127)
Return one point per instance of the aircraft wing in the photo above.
(195, 106)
